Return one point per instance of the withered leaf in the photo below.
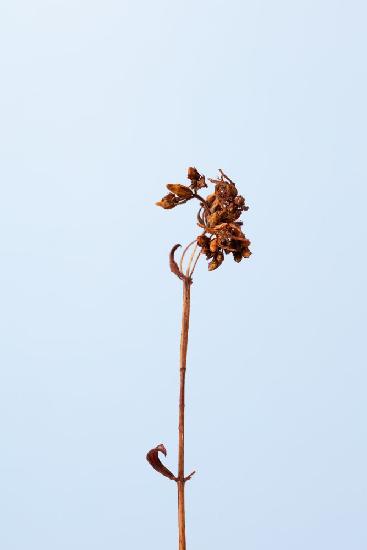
(172, 263)
(154, 461)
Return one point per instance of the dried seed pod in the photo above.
(168, 201)
(214, 206)
(193, 174)
(232, 190)
(211, 198)
(237, 256)
(221, 189)
(239, 201)
(203, 241)
(213, 265)
(180, 190)
(214, 219)
(214, 245)
(216, 261)
(246, 253)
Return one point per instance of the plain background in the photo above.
(102, 104)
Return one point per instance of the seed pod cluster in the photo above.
(218, 216)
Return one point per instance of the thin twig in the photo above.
(224, 175)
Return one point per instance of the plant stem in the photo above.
(181, 416)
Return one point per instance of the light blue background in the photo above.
(102, 103)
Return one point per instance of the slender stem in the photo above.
(196, 261)
(181, 415)
(184, 252)
(191, 259)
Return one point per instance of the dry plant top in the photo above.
(220, 233)
(217, 217)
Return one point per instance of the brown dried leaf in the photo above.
(154, 461)
(172, 263)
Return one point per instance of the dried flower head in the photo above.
(217, 217)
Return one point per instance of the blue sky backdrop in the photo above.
(102, 104)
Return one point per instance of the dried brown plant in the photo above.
(221, 234)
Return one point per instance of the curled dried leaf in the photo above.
(172, 262)
(155, 462)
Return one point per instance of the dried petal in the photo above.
(180, 190)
